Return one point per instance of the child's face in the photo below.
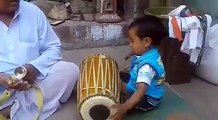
(139, 46)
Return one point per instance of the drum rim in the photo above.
(98, 54)
(95, 96)
(80, 103)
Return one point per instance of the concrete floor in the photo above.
(200, 94)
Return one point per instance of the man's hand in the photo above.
(32, 73)
(4, 78)
(18, 85)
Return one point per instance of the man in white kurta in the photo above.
(30, 40)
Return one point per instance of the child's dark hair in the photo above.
(149, 26)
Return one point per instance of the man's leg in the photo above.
(56, 87)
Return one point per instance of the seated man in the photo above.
(28, 40)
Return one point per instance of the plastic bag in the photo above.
(208, 68)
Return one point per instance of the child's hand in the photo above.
(121, 110)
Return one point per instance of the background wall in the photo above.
(209, 6)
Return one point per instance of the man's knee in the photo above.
(70, 71)
(66, 66)
(70, 76)
(69, 68)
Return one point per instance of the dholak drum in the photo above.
(98, 87)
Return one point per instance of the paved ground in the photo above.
(202, 95)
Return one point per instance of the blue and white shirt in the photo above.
(148, 69)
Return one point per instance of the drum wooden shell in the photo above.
(98, 83)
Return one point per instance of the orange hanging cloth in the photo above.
(176, 29)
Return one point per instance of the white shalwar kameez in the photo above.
(30, 39)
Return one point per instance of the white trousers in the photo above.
(56, 87)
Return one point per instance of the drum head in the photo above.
(97, 108)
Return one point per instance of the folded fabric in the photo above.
(191, 25)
